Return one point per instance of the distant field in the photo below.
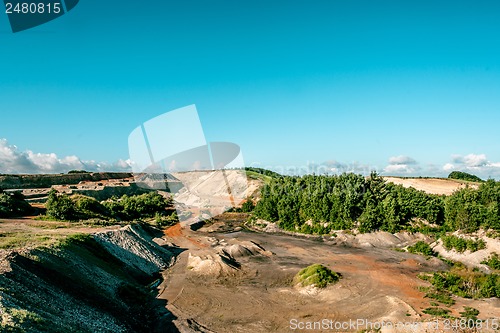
(432, 185)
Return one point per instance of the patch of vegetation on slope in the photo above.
(465, 282)
(459, 175)
(492, 261)
(316, 275)
(460, 244)
(80, 286)
(421, 247)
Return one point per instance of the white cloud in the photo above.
(12, 160)
(402, 160)
(400, 169)
(401, 165)
(477, 164)
(448, 167)
(471, 160)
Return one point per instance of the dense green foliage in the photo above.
(317, 275)
(247, 206)
(460, 244)
(464, 176)
(348, 200)
(137, 206)
(78, 207)
(344, 202)
(421, 247)
(13, 204)
(468, 208)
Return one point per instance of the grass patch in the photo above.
(436, 311)
(74, 238)
(14, 240)
(49, 225)
(441, 297)
(19, 320)
(469, 313)
(316, 275)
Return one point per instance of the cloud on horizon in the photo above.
(402, 165)
(14, 161)
(477, 164)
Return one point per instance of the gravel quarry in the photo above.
(220, 275)
(242, 281)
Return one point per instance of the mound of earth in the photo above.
(212, 264)
(244, 249)
(132, 245)
(222, 258)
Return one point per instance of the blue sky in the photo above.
(409, 87)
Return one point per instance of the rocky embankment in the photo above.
(91, 283)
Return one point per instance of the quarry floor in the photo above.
(378, 284)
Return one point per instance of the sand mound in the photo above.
(380, 239)
(223, 258)
(212, 264)
(244, 249)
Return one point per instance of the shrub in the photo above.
(469, 313)
(460, 244)
(13, 204)
(493, 261)
(316, 275)
(137, 206)
(441, 297)
(60, 207)
(466, 283)
(247, 206)
(421, 247)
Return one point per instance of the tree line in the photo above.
(346, 201)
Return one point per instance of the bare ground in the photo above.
(431, 185)
(377, 284)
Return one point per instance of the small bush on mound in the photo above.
(317, 275)
(421, 247)
(464, 176)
